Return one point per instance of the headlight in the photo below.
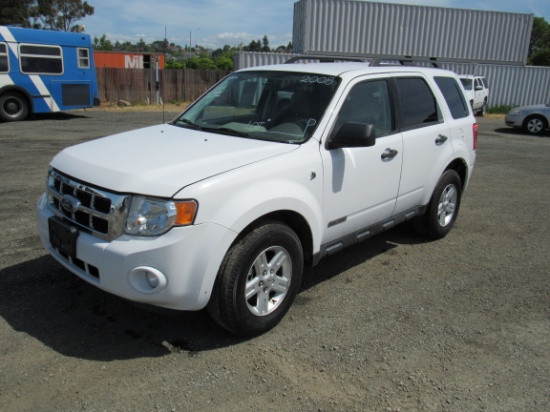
(153, 217)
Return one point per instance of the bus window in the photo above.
(83, 59)
(4, 68)
(40, 59)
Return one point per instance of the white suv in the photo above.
(271, 170)
(477, 93)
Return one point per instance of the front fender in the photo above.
(290, 182)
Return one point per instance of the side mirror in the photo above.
(352, 134)
(479, 88)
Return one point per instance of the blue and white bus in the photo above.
(44, 71)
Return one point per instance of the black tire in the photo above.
(443, 207)
(535, 125)
(271, 291)
(13, 107)
(483, 111)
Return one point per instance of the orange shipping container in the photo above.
(128, 60)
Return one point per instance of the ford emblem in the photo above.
(70, 203)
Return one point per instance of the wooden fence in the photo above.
(138, 86)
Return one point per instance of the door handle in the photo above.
(389, 154)
(440, 140)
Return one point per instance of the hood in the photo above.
(161, 160)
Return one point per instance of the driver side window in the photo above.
(370, 103)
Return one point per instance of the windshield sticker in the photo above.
(317, 79)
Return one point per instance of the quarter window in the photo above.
(83, 58)
(453, 96)
(4, 68)
(417, 103)
(40, 59)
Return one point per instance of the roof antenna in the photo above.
(164, 58)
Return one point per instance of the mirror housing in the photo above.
(352, 134)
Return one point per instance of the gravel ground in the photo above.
(396, 323)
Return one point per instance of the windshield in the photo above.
(467, 83)
(267, 105)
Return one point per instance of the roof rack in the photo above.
(378, 60)
(402, 60)
(326, 58)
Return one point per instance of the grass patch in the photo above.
(503, 109)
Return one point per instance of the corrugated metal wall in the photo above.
(353, 27)
(244, 60)
(509, 85)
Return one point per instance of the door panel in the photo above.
(361, 184)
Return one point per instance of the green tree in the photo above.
(102, 44)
(59, 14)
(265, 44)
(200, 63)
(540, 58)
(224, 63)
(15, 12)
(539, 44)
(174, 64)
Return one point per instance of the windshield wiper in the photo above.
(189, 123)
(233, 132)
(225, 130)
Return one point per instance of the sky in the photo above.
(215, 23)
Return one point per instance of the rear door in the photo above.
(427, 144)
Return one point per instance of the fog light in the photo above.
(147, 280)
(152, 279)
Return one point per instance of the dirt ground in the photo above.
(396, 323)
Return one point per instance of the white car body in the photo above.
(338, 196)
(477, 92)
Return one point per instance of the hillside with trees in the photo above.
(196, 57)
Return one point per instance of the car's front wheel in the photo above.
(258, 280)
(534, 124)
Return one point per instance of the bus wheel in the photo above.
(13, 107)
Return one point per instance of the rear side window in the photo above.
(417, 103)
(4, 68)
(453, 96)
(83, 58)
(40, 59)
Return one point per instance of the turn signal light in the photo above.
(185, 212)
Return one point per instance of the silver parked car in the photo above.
(533, 119)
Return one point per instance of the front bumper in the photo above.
(514, 120)
(186, 260)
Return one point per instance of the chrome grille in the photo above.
(97, 211)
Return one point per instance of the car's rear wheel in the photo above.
(483, 110)
(443, 207)
(534, 124)
(258, 280)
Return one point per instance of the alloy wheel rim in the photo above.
(268, 281)
(447, 205)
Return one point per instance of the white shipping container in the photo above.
(368, 28)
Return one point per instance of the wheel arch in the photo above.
(294, 221)
(460, 167)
